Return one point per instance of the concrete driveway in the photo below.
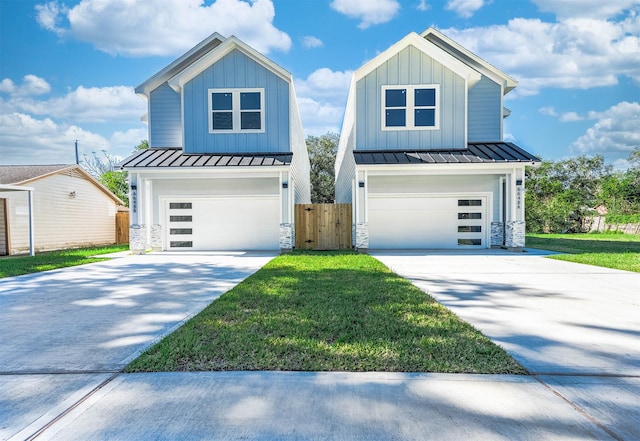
(575, 327)
(93, 319)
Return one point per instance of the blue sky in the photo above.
(68, 68)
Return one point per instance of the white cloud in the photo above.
(27, 140)
(31, 85)
(370, 12)
(322, 97)
(575, 53)
(585, 8)
(84, 104)
(163, 27)
(310, 41)
(423, 6)
(616, 130)
(571, 117)
(464, 8)
(549, 111)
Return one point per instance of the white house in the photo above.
(422, 156)
(51, 207)
(227, 158)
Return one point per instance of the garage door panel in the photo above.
(226, 224)
(427, 222)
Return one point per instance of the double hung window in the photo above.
(410, 107)
(236, 110)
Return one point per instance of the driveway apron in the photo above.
(575, 327)
(90, 321)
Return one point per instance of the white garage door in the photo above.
(224, 224)
(428, 222)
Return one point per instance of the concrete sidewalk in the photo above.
(323, 406)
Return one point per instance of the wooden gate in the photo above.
(122, 227)
(323, 226)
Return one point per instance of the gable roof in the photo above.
(227, 46)
(24, 174)
(494, 152)
(174, 158)
(445, 43)
(205, 46)
(446, 59)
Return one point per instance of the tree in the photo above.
(322, 156)
(107, 173)
(562, 194)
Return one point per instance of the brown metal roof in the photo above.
(476, 152)
(15, 174)
(174, 158)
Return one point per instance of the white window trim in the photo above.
(410, 107)
(235, 109)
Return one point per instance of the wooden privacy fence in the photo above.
(323, 226)
(122, 227)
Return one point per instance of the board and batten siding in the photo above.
(61, 221)
(485, 111)
(411, 67)
(4, 246)
(236, 70)
(165, 117)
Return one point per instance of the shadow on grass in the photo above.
(335, 311)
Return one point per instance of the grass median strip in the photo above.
(610, 250)
(329, 311)
(19, 265)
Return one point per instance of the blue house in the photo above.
(422, 156)
(227, 158)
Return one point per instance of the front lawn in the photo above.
(611, 250)
(18, 265)
(326, 311)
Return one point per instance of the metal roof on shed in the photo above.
(475, 153)
(174, 158)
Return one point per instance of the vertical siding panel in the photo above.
(165, 112)
(236, 70)
(485, 111)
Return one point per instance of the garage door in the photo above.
(427, 222)
(223, 224)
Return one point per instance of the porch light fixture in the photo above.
(285, 185)
(361, 184)
(519, 182)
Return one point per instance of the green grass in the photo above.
(18, 265)
(330, 311)
(610, 250)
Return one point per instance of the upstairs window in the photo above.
(410, 107)
(236, 110)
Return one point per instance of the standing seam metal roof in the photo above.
(475, 153)
(174, 158)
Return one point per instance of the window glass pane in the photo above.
(395, 98)
(222, 121)
(425, 117)
(250, 100)
(181, 244)
(180, 218)
(469, 202)
(469, 215)
(179, 205)
(250, 120)
(180, 230)
(469, 229)
(221, 101)
(396, 118)
(425, 97)
(469, 241)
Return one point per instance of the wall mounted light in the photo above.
(519, 182)
(361, 184)
(285, 185)
(72, 195)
